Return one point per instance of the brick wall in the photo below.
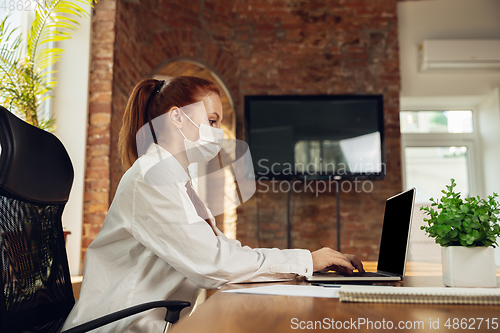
(97, 182)
(259, 47)
(321, 47)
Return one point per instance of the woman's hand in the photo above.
(329, 259)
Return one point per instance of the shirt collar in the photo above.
(156, 154)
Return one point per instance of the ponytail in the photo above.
(134, 118)
(152, 98)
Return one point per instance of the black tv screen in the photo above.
(317, 137)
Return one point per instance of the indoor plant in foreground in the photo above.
(467, 230)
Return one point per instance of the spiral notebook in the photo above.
(427, 295)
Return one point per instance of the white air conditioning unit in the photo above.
(473, 54)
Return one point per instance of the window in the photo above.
(354, 154)
(436, 122)
(436, 146)
(314, 152)
(21, 20)
(430, 168)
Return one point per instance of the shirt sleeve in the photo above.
(165, 222)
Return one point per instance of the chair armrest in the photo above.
(173, 311)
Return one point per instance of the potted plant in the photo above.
(26, 62)
(467, 230)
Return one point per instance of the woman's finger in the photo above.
(344, 262)
(356, 262)
(345, 259)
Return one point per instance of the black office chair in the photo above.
(36, 176)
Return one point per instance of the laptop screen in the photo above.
(395, 233)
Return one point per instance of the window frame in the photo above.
(469, 140)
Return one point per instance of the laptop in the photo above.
(393, 245)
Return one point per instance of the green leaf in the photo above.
(475, 234)
(484, 218)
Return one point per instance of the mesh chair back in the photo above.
(36, 175)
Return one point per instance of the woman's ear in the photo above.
(175, 117)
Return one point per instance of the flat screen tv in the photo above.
(316, 136)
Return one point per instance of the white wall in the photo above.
(445, 19)
(489, 123)
(474, 90)
(69, 106)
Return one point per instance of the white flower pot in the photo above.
(468, 266)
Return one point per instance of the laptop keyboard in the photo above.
(365, 274)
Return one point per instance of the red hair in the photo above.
(178, 91)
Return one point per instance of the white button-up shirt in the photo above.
(153, 246)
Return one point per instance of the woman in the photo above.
(158, 240)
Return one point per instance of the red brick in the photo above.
(97, 130)
(99, 140)
(85, 244)
(103, 26)
(106, 4)
(97, 151)
(100, 108)
(98, 208)
(100, 96)
(96, 196)
(104, 15)
(99, 184)
(97, 173)
(99, 162)
(100, 118)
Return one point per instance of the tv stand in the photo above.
(288, 221)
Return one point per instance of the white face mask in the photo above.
(207, 146)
